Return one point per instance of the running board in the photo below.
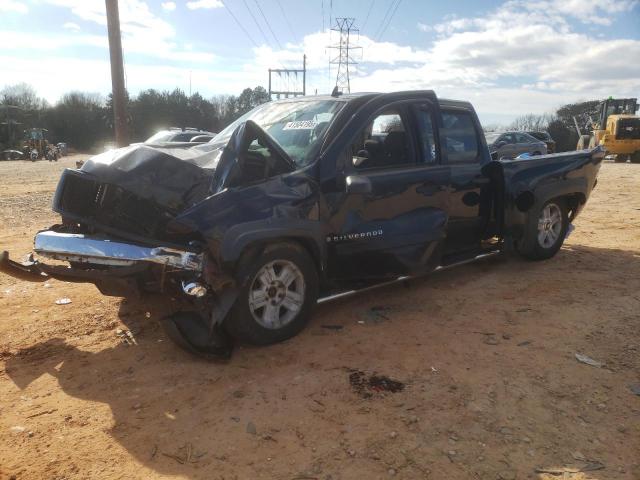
(440, 268)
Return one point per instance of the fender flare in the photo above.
(309, 232)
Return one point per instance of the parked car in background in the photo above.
(176, 135)
(546, 138)
(512, 144)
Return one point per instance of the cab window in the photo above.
(461, 140)
(384, 143)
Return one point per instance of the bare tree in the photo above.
(532, 122)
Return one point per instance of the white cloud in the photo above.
(13, 6)
(168, 6)
(197, 4)
(521, 57)
(423, 27)
(140, 28)
(71, 26)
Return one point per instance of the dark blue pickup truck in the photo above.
(299, 200)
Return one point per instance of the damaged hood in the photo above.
(174, 178)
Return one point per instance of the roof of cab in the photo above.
(364, 96)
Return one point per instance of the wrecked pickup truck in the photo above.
(299, 200)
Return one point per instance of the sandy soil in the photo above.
(486, 353)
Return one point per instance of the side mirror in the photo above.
(356, 184)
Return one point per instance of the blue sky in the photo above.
(508, 58)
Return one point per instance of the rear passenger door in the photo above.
(394, 215)
(460, 137)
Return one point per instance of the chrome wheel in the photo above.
(276, 294)
(549, 225)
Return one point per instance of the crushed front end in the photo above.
(116, 232)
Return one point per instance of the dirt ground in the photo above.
(486, 353)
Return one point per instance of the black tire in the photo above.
(530, 246)
(635, 157)
(536, 153)
(241, 322)
(620, 159)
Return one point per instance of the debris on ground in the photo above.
(588, 361)
(63, 301)
(251, 428)
(376, 314)
(364, 384)
(126, 337)
(332, 327)
(185, 454)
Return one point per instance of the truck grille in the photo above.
(86, 200)
(628, 129)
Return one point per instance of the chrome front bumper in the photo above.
(99, 250)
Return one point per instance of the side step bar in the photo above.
(349, 293)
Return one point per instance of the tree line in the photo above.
(85, 121)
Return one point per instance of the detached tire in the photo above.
(278, 290)
(545, 230)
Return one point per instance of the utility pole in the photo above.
(344, 25)
(117, 74)
(287, 73)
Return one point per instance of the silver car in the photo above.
(512, 144)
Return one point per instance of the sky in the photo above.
(508, 58)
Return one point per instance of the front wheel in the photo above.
(278, 289)
(545, 230)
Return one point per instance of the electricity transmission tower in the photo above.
(345, 26)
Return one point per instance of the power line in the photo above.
(268, 24)
(373, 2)
(389, 22)
(240, 24)
(286, 19)
(256, 22)
(384, 19)
(322, 10)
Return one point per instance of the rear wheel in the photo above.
(635, 157)
(278, 289)
(545, 230)
(620, 159)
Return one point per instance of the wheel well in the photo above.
(256, 247)
(574, 201)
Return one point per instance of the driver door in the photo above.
(392, 218)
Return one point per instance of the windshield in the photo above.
(297, 126)
(491, 137)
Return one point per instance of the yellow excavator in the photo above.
(617, 129)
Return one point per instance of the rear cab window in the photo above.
(460, 137)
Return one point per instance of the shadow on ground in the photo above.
(182, 417)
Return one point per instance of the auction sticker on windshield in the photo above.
(301, 125)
